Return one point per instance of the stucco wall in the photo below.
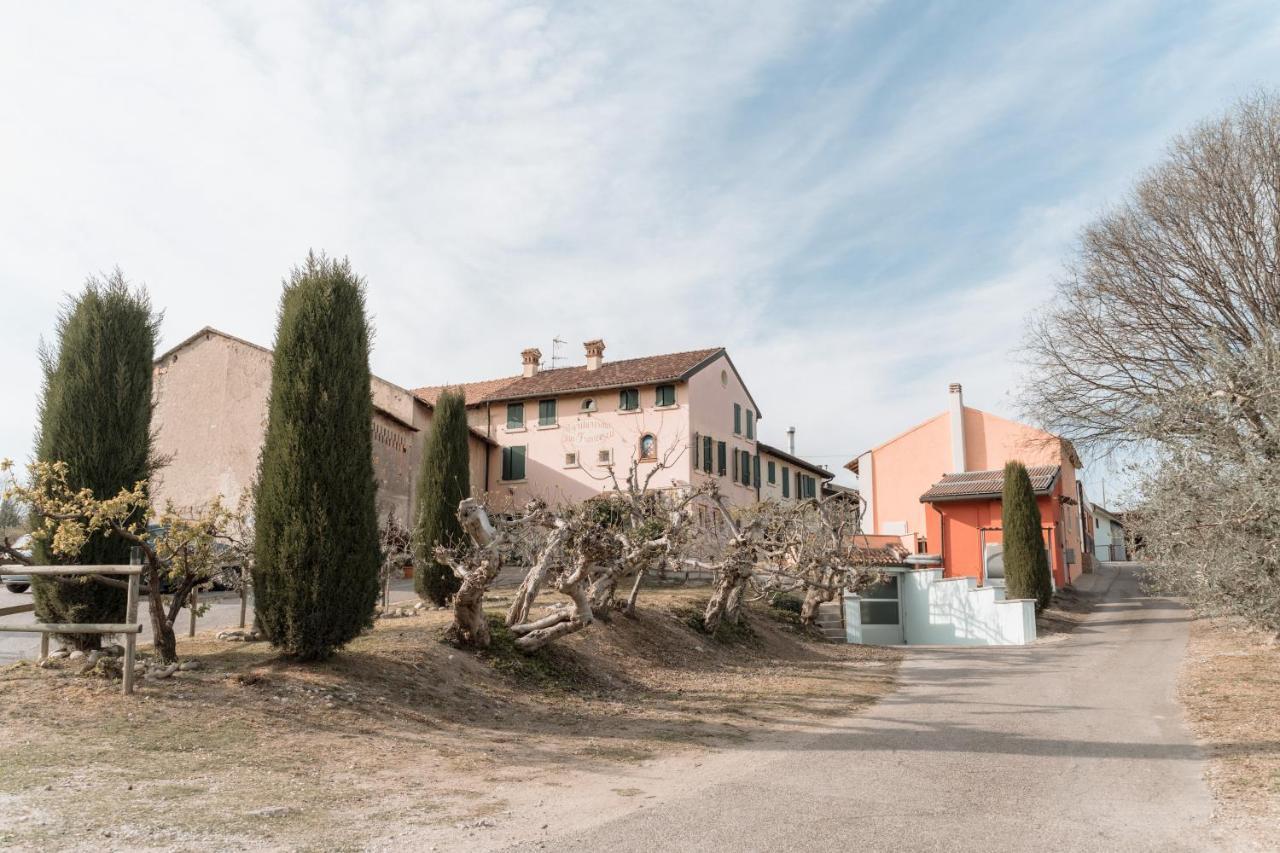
(712, 393)
(551, 477)
(904, 469)
(958, 530)
(211, 399)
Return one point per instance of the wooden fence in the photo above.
(45, 629)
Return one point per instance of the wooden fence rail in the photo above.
(45, 629)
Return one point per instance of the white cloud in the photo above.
(505, 172)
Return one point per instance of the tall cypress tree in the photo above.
(315, 576)
(95, 415)
(1026, 562)
(444, 480)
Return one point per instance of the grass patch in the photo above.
(693, 614)
(550, 668)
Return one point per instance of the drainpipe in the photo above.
(488, 432)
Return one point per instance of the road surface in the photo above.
(1072, 745)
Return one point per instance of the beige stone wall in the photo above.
(211, 416)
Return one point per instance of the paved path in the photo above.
(1073, 745)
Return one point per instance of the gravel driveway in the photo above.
(1069, 745)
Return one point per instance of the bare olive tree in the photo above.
(1163, 339)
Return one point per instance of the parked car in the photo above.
(20, 583)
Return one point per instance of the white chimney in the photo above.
(531, 357)
(791, 440)
(958, 464)
(595, 354)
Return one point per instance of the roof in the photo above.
(794, 460)
(988, 484)
(624, 373)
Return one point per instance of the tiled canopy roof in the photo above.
(987, 484)
(564, 380)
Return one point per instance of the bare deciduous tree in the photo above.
(1164, 339)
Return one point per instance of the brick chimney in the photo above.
(531, 357)
(595, 354)
(958, 462)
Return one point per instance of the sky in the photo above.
(864, 202)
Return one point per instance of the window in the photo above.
(737, 419)
(571, 460)
(513, 463)
(755, 469)
(697, 444)
(810, 487)
(605, 457)
(546, 412)
(722, 460)
(629, 399)
(733, 475)
(746, 468)
(751, 424)
(665, 395)
(515, 415)
(588, 405)
(706, 453)
(786, 482)
(648, 448)
(773, 472)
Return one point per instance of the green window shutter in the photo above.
(746, 468)
(629, 399)
(737, 419)
(786, 481)
(506, 463)
(734, 474)
(722, 461)
(755, 468)
(706, 453)
(697, 440)
(517, 463)
(546, 412)
(773, 472)
(515, 415)
(665, 395)
(751, 424)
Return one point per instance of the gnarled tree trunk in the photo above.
(535, 635)
(552, 553)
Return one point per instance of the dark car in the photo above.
(20, 583)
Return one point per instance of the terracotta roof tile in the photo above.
(988, 484)
(565, 380)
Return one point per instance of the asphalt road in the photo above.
(1072, 745)
(223, 612)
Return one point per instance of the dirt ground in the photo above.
(1230, 687)
(402, 741)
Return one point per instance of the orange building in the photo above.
(938, 485)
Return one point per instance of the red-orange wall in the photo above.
(958, 526)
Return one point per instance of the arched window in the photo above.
(648, 447)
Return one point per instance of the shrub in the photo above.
(1026, 562)
(95, 415)
(315, 576)
(444, 481)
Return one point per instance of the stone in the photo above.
(90, 661)
(59, 654)
(190, 666)
(158, 673)
(76, 655)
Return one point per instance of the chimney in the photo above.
(791, 440)
(595, 354)
(958, 465)
(531, 358)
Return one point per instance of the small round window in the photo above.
(724, 378)
(588, 405)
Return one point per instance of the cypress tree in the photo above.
(444, 480)
(315, 576)
(1026, 562)
(95, 415)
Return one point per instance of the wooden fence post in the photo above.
(131, 614)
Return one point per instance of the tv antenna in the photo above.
(556, 357)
